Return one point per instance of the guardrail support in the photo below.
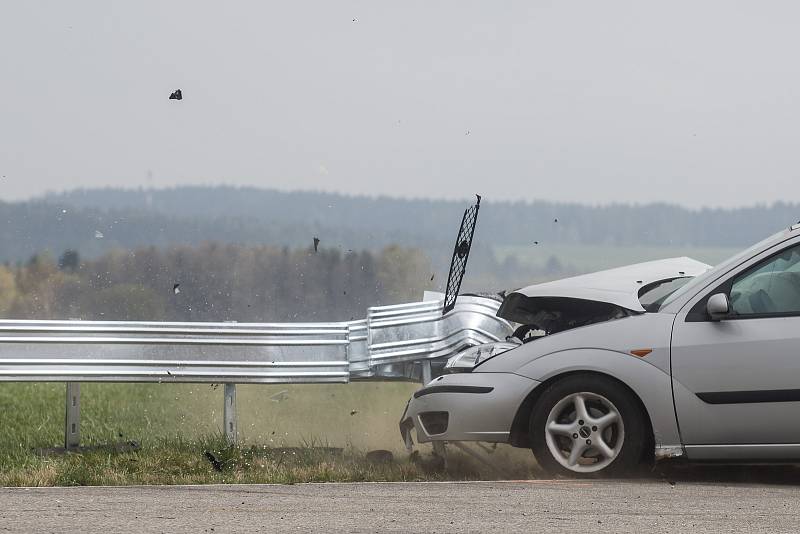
(439, 448)
(229, 414)
(72, 425)
(426, 371)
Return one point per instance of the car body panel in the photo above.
(649, 383)
(643, 331)
(619, 286)
(727, 373)
(472, 416)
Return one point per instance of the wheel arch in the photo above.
(520, 427)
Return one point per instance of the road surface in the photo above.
(639, 506)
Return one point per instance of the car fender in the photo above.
(651, 384)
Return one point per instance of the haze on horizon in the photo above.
(683, 102)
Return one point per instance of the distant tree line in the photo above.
(371, 222)
(212, 282)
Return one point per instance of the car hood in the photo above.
(619, 286)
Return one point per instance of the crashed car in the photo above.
(661, 359)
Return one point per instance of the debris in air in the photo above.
(535, 242)
(353, 412)
(176, 95)
(316, 244)
(434, 274)
(176, 288)
(555, 220)
(280, 396)
(98, 234)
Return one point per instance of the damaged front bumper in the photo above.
(465, 407)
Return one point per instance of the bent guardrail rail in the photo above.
(387, 344)
(404, 341)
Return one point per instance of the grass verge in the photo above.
(314, 434)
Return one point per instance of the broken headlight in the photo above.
(464, 361)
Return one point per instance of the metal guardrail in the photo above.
(179, 352)
(392, 342)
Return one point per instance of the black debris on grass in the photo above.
(216, 463)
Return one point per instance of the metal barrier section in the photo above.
(403, 335)
(393, 342)
(387, 344)
(112, 351)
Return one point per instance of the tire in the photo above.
(567, 442)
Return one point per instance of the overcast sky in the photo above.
(686, 102)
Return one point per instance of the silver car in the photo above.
(609, 370)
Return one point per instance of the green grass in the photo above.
(309, 436)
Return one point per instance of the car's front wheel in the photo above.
(586, 425)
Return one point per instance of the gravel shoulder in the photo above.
(537, 505)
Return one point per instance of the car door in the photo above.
(736, 381)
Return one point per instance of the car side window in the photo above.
(770, 287)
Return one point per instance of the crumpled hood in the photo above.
(619, 286)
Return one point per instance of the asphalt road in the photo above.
(639, 506)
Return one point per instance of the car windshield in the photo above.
(701, 280)
(652, 295)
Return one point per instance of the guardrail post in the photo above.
(439, 448)
(229, 413)
(72, 421)
(426, 371)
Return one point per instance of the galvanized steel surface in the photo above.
(382, 345)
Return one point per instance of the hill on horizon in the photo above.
(383, 220)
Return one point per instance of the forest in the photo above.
(212, 282)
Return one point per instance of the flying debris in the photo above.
(535, 242)
(555, 220)
(98, 234)
(280, 396)
(432, 276)
(176, 288)
(316, 244)
(353, 412)
(176, 95)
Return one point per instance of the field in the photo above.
(587, 258)
(310, 435)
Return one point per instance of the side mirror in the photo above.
(718, 306)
